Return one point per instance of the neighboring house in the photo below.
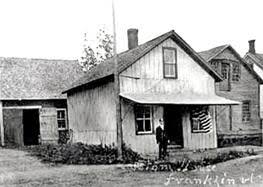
(32, 108)
(255, 60)
(238, 124)
(162, 78)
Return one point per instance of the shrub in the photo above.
(79, 153)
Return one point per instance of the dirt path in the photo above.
(17, 168)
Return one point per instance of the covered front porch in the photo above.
(181, 114)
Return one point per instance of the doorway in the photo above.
(173, 125)
(31, 126)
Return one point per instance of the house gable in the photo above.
(146, 74)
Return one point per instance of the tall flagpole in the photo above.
(117, 88)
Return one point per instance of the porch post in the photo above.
(2, 124)
(215, 129)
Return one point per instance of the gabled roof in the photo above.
(214, 52)
(127, 58)
(256, 57)
(22, 78)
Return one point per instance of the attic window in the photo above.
(169, 62)
(235, 71)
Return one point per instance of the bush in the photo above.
(79, 153)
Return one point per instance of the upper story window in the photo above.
(225, 72)
(62, 119)
(235, 71)
(143, 119)
(169, 62)
(246, 111)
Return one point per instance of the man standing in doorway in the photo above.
(161, 139)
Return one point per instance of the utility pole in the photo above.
(117, 88)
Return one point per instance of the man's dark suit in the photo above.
(161, 139)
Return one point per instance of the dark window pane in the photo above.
(195, 124)
(236, 71)
(224, 71)
(139, 112)
(140, 125)
(61, 124)
(147, 125)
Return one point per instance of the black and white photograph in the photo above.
(131, 93)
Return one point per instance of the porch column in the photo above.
(2, 124)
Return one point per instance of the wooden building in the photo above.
(238, 124)
(32, 108)
(162, 78)
(255, 60)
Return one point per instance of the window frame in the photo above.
(247, 112)
(65, 118)
(143, 119)
(175, 63)
(236, 74)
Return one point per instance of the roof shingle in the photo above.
(126, 58)
(22, 78)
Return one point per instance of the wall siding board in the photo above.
(13, 120)
(92, 115)
(247, 88)
(48, 125)
(151, 81)
(13, 126)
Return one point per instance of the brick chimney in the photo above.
(252, 46)
(132, 38)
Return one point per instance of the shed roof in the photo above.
(127, 58)
(214, 52)
(23, 78)
(178, 98)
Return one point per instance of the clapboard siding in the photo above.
(92, 115)
(247, 88)
(149, 73)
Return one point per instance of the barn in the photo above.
(32, 108)
(162, 78)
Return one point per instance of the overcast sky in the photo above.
(55, 28)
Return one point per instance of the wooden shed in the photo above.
(32, 108)
(162, 78)
(238, 124)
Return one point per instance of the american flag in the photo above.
(202, 116)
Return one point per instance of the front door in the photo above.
(173, 125)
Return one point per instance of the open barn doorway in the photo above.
(31, 126)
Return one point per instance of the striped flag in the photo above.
(202, 116)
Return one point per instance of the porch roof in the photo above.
(178, 98)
